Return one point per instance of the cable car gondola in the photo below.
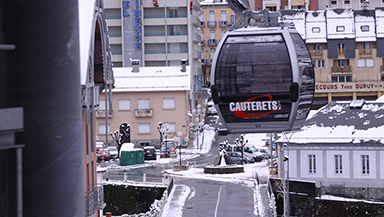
(262, 80)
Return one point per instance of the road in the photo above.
(208, 197)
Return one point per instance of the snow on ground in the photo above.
(175, 204)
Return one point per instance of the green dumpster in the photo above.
(139, 153)
(127, 158)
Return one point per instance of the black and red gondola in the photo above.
(262, 79)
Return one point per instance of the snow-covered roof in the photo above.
(337, 122)
(151, 79)
(215, 2)
(86, 16)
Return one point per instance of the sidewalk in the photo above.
(176, 200)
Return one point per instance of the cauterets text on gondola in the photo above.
(254, 106)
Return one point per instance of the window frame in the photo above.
(169, 107)
(102, 126)
(338, 163)
(120, 106)
(364, 164)
(311, 164)
(140, 128)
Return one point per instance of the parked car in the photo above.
(236, 157)
(103, 154)
(249, 158)
(99, 145)
(113, 152)
(166, 147)
(258, 153)
(249, 153)
(149, 153)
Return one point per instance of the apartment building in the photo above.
(158, 33)
(347, 48)
(142, 98)
(215, 20)
(276, 5)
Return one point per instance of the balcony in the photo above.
(94, 199)
(341, 69)
(341, 50)
(202, 24)
(143, 113)
(101, 114)
(211, 23)
(316, 53)
(223, 23)
(382, 68)
(202, 42)
(212, 42)
(365, 51)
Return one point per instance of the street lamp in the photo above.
(241, 143)
(178, 142)
(163, 130)
(199, 127)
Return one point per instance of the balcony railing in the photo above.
(316, 53)
(202, 42)
(212, 42)
(202, 24)
(341, 50)
(223, 23)
(101, 114)
(211, 23)
(94, 199)
(143, 113)
(365, 51)
(382, 68)
(341, 69)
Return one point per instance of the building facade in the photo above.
(347, 51)
(158, 33)
(145, 98)
(341, 149)
(215, 20)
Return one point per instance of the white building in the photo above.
(341, 145)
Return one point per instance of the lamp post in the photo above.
(179, 142)
(199, 126)
(161, 132)
(240, 142)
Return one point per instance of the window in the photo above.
(212, 51)
(365, 164)
(365, 45)
(102, 129)
(223, 15)
(144, 128)
(338, 164)
(340, 28)
(333, 2)
(143, 106)
(340, 45)
(361, 63)
(347, 2)
(271, 8)
(171, 126)
(342, 78)
(316, 46)
(212, 34)
(169, 103)
(222, 32)
(312, 164)
(212, 16)
(173, 12)
(370, 63)
(316, 29)
(102, 105)
(364, 28)
(321, 63)
(124, 104)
